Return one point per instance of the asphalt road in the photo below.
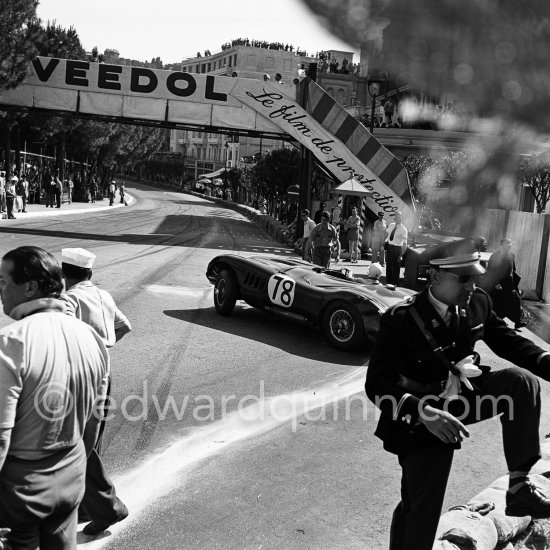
(198, 462)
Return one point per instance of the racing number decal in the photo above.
(281, 290)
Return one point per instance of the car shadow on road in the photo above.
(292, 337)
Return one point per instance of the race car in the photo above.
(346, 307)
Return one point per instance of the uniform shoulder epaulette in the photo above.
(481, 291)
(407, 302)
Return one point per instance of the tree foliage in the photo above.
(535, 172)
(276, 171)
(18, 28)
(55, 41)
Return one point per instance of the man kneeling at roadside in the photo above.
(425, 377)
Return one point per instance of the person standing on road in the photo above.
(396, 237)
(502, 284)
(2, 192)
(309, 224)
(425, 378)
(317, 217)
(323, 238)
(96, 308)
(23, 192)
(50, 201)
(11, 194)
(378, 239)
(352, 225)
(53, 374)
(58, 191)
(122, 191)
(112, 192)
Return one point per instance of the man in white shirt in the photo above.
(97, 309)
(54, 371)
(112, 192)
(309, 224)
(396, 237)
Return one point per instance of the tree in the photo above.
(535, 172)
(416, 166)
(18, 29)
(276, 171)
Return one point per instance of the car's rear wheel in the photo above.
(343, 326)
(225, 292)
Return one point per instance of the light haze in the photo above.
(177, 29)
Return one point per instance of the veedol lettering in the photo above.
(145, 88)
(115, 77)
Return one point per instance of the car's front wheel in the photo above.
(225, 292)
(343, 326)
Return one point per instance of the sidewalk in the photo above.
(40, 210)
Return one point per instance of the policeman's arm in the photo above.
(509, 345)
(443, 424)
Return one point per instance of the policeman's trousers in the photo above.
(514, 395)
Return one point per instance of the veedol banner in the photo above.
(202, 99)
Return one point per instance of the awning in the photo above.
(351, 187)
(213, 174)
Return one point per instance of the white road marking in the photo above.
(159, 475)
(195, 292)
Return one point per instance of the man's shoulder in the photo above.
(402, 309)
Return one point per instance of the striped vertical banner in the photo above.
(362, 225)
(339, 205)
(328, 112)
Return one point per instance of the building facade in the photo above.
(206, 152)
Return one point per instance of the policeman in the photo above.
(426, 379)
(96, 308)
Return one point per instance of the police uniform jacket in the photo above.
(402, 350)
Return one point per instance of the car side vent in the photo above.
(254, 280)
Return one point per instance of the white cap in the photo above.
(14, 178)
(78, 256)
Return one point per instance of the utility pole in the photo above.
(307, 157)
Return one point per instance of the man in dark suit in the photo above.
(424, 377)
(502, 284)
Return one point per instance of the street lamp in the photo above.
(374, 81)
(226, 161)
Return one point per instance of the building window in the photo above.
(209, 65)
(203, 68)
(235, 60)
(269, 62)
(251, 60)
(230, 58)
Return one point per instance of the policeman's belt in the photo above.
(421, 387)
